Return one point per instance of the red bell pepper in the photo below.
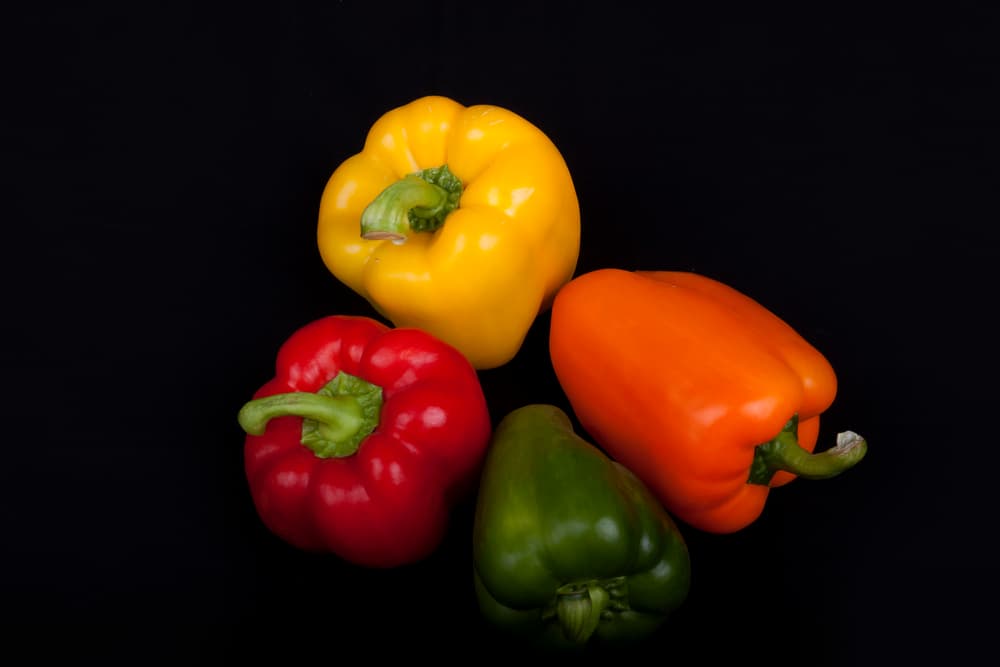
(364, 439)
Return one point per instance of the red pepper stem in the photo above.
(785, 453)
(334, 421)
(417, 203)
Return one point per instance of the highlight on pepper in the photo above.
(462, 221)
(702, 392)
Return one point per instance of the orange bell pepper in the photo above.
(703, 393)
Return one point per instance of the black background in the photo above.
(164, 168)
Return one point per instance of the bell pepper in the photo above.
(702, 392)
(462, 221)
(569, 547)
(363, 440)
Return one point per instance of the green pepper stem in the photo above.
(419, 202)
(335, 420)
(579, 611)
(785, 453)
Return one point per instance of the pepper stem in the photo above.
(417, 203)
(785, 453)
(579, 610)
(335, 420)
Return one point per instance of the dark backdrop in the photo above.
(164, 168)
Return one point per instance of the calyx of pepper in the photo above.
(420, 202)
(579, 606)
(783, 452)
(335, 419)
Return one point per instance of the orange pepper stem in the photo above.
(417, 203)
(785, 453)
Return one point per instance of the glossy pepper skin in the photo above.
(462, 221)
(569, 547)
(702, 392)
(363, 439)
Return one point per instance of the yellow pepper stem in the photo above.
(420, 202)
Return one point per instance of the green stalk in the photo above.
(335, 420)
(785, 453)
(420, 202)
(579, 610)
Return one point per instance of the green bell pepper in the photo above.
(568, 545)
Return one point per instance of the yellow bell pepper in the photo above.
(461, 221)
